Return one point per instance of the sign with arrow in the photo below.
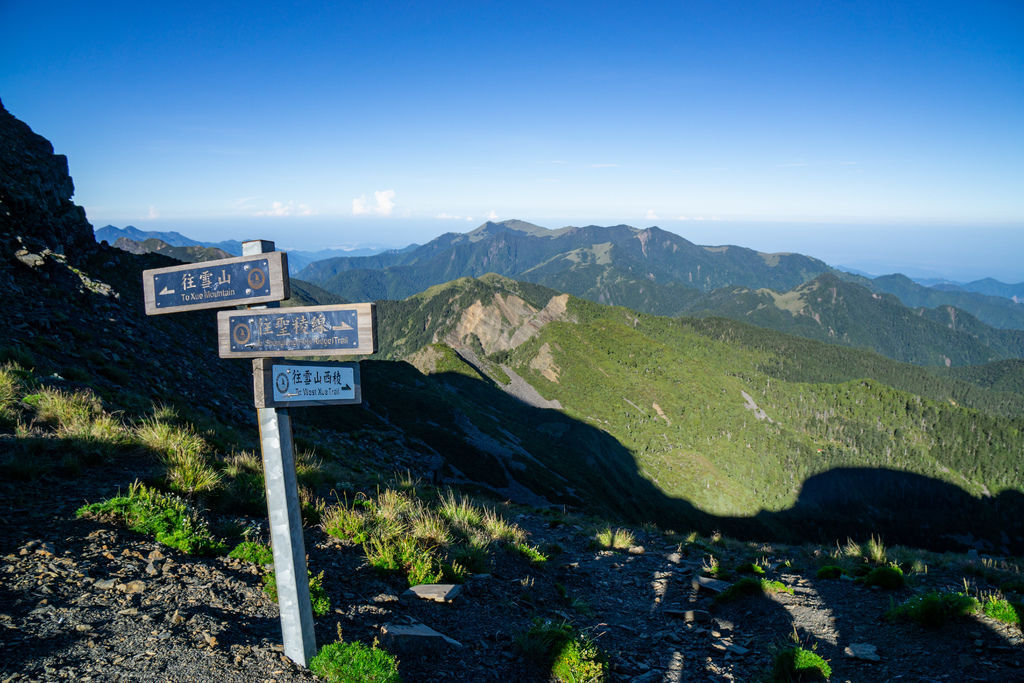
(255, 279)
(336, 330)
(292, 383)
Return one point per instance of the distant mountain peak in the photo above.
(492, 227)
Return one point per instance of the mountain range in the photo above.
(661, 273)
(297, 259)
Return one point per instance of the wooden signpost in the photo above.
(251, 279)
(293, 383)
(260, 276)
(340, 330)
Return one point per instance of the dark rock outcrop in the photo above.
(35, 193)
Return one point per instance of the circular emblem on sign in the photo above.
(282, 382)
(257, 278)
(240, 333)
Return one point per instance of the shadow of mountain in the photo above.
(478, 434)
(907, 508)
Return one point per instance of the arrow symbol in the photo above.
(166, 290)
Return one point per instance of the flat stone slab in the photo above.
(709, 584)
(438, 592)
(864, 651)
(413, 637)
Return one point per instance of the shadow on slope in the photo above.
(477, 434)
(905, 508)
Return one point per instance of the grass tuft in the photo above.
(318, 597)
(830, 571)
(614, 539)
(355, 662)
(1003, 610)
(750, 586)
(166, 517)
(934, 609)
(569, 656)
(890, 578)
(251, 551)
(796, 664)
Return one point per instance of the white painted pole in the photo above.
(285, 521)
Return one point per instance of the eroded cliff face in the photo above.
(505, 323)
(36, 211)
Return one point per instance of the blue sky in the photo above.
(858, 132)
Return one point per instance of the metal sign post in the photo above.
(285, 514)
(260, 276)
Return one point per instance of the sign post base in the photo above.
(286, 535)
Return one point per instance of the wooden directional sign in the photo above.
(337, 330)
(222, 283)
(294, 383)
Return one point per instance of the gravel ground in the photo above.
(81, 600)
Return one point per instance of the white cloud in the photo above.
(444, 216)
(651, 216)
(285, 209)
(153, 212)
(383, 206)
(491, 216)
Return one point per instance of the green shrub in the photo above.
(355, 663)
(251, 551)
(569, 656)
(796, 664)
(750, 568)
(890, 578)
(531, 553)
(167, 518)
(318, 597)
(830, 571)
(404, 555)
(751, 587)
(933, 609)
(1003, 610)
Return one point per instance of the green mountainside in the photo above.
(830, 309)
(997, 311)
(721, 422)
